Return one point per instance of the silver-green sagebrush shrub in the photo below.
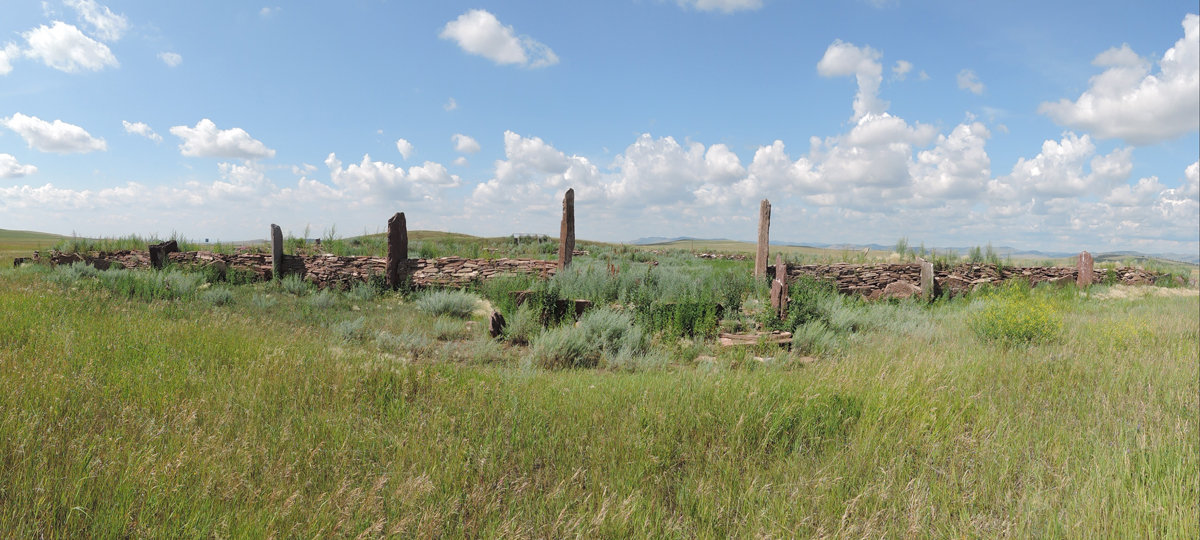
(452, 303)
(217, 296)
(815, 338)
(323, 299)
(351, 330)
(601, 335)
(363, 292)
(296, 285)
(263, 301)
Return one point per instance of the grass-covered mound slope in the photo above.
(276, 410)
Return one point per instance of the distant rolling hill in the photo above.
(26, 237)
(23, 243)
(722, 244)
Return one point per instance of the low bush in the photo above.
(351, 330)
(218, 296)
(681, 319)
(603, 334)
(296, 285)
(501, 292)
(363, 292)
(263, 301)
(547, 303)
(522, 327)
(451, 303)
(322, 299)
(815, 338)
(810, 299)
(1016, 314)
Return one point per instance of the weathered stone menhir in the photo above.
(764, 240)
(1085, 270)
(397, 250)
(928, 285)
(566, 231)
(276, 251)
(779, 288)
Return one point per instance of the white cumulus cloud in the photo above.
(63, 47)
(842, 59)
(58, 137)
(531, 168)
(140, 128)
(1066, 168)
(725, 6)
(404, 147)
(11, 168)
(969, 81)
(1127, 101)
(7, 53)
(901, 69)
(170, 59)
(378, 181)
(481, 33)
(105, 24)
(465, 144)
(957, 167)
(205, 140)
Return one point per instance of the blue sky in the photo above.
(1059, 127)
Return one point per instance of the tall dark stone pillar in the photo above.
(276, 252)
(397, 252)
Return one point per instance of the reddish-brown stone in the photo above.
(764, 239)
(566, 231)
(1085, 270)
(779, 288)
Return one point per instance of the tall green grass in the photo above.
(125, 416)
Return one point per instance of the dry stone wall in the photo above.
(867, 280)
(325, 270)
(870, 280)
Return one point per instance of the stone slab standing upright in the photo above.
(779, 288)
(1086, 271)
(928, 285)
(764, 239)
(397, 250)
(276, 252)
(159, 253)
(566, 232)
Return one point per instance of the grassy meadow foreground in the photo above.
(171, 404)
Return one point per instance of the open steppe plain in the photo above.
(273, 410)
